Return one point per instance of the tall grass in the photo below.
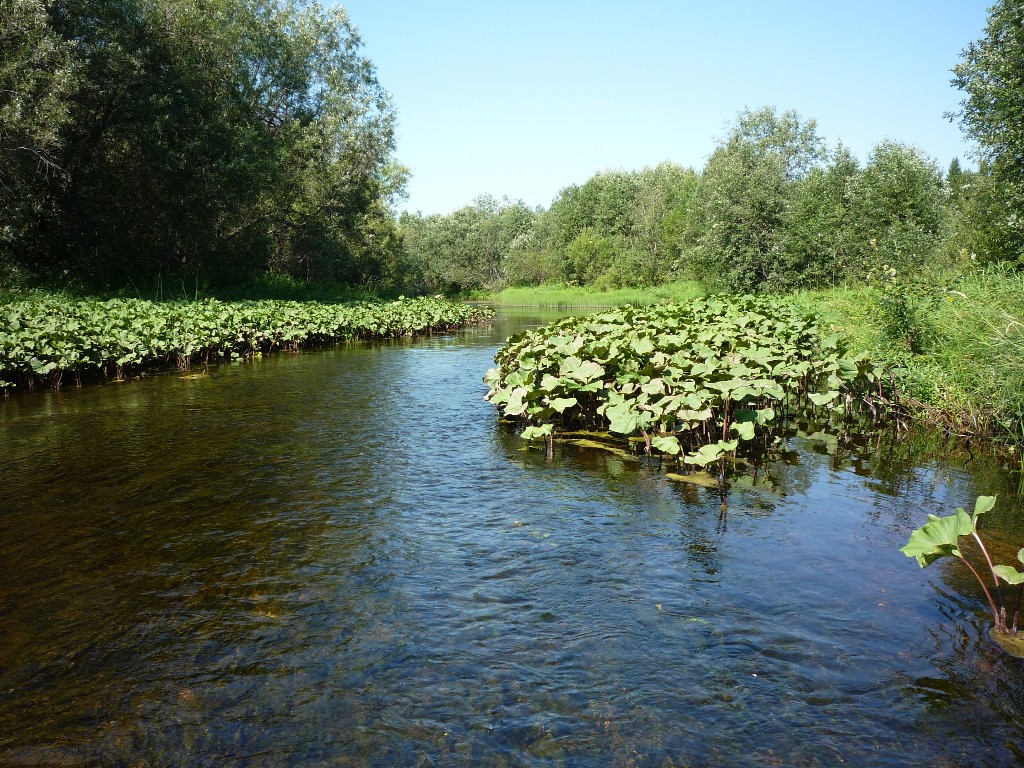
(567, 297)
(977, 355)
(969, 369)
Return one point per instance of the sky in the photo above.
(521, 99)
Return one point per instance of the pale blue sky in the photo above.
(523, 98)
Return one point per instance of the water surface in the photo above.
(340, 558)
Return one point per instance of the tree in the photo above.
(898, 208)
(736, 236)
(196, 137)
(992, 113)
(980, 209)
(786, 138)
(618, 218)
(470, 247)
(36, 76)
(663, 192)
(816, 249)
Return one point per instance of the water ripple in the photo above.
(340, 558)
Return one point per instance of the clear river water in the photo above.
(340, 558)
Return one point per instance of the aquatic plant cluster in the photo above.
(695, 380)
(42, 339)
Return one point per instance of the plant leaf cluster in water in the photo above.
(940, 537)
(43, 338)
(696, 380)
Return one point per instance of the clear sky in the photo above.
(523, 98)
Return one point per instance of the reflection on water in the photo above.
(339, 558)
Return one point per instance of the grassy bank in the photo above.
(954, 345)
(568, 297)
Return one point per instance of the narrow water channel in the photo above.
(340, 558)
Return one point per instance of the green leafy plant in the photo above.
(940, 537)
(903, 310)
(695, 381)
(43, 338)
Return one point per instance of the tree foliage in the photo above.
(609, 230)
(211, 138)
(738, 229)
(469, 248)
(992, 113)
(36, 76)
(898, 207)
(772, 211)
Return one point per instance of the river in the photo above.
(341, 558)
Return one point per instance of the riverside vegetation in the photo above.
(44, 339)
(253, 145)
(694, 380)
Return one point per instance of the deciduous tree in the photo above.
(992, 113)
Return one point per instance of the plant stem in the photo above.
(1016, 614)
(992, 569)
(1000, 625)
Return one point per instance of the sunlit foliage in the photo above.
(44, 339)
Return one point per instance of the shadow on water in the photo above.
(340, 558)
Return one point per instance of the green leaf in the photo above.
(688, 415)
(745, 391)
(642, 346)
(535, 433)
(666, 444)
(938, 538)
(1009, 574)
(569, 365)
(982, 505)
(516, 405)
(745, 429)
(516, 379)
(561, 403)
(653, 387)
(588, 371)
(549, 383)
(824, 398)
(622, 419)
(497, 396)
(711, 452)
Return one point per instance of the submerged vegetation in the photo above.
(43, 340)
(694, 380)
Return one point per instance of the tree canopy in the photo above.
(992, 113)
(212, 138)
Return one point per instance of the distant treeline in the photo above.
(213, 142)
(773, 210)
